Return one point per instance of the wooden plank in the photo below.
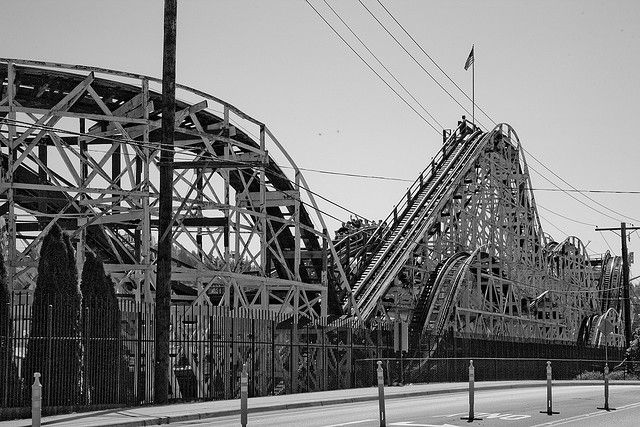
(304, 254)
(70, 189)
(215, 164)
(272, 198)
(193, 109)
(204, 222)
(109, 268)
(90, 116)
(116, 218)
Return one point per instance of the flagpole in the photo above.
(473, 89)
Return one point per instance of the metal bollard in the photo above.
(383, 418)
(606, 387)
(549, 410)
(36, 401)
(244, 383)
(472, 378)
(549, 398)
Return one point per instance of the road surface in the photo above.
(577, 406)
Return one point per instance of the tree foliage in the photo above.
(102, 325)
(56, 313)
(8, 369)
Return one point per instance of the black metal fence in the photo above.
(495, 360)
(98, 356)
(106, 358)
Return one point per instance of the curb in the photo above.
(338, 401)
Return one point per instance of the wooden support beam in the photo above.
(216, 164)
(304, 254)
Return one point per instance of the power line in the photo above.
(458, 87)
(588, 191)
(571, 195)
(381, 64)
(607, 242)
(433, 60)
(353, 175)
(573, 188)
(372, 69)
(413, 57)
(159, 147)
(553, 225)
(565, 217)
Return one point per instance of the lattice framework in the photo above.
(80, 149)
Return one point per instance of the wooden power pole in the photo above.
(163, 275)
(625, 277)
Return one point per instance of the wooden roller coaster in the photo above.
(463, 250)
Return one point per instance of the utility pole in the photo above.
(625, 277)
(163, 274)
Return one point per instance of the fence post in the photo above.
(85, 354)
(383, 418)
(36, 400)
(49, 351)
(119, 350)
(7, 354)
(253, 356)
(211, 370)
(352, 379)
(325, 371)
(273, 357)
(140, 380)
(243, 395)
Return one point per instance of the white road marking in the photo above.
(489, 415)
(411, 424)
(500, 416)
(457, 414)
(350, 423)
(589, 415)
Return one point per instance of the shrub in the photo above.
(58, 359)
(101, 328)
(6, 349)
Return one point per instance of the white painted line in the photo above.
(350, 423)
(411, 424)
(589, 415)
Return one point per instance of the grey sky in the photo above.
(562, 73)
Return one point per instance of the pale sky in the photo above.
(562, 73)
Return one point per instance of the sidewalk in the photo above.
(155, 415)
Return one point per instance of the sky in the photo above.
(562, 73)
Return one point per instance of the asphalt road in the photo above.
(577, 406)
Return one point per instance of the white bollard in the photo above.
(36, 401)
(549, 410)
(606, 387)
(472, 378)
(244, 392)
(549, 398)
(383, 418)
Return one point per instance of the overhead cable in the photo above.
(373, 70)
(573, 188)
(413, 57)
(433, 60)
(382, 65)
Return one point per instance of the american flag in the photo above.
(469, 60)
